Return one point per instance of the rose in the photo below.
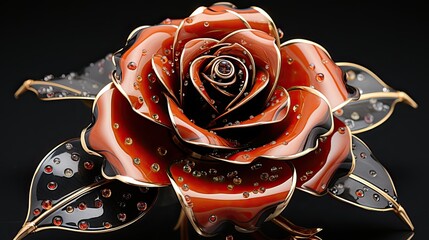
(215, 106)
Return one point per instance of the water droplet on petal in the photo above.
(320, 77)
(132, 65)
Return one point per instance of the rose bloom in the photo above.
(216, 106)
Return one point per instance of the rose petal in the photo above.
(261, 82)
(214, 193)
(126, 140)
(261, 20)
(193, 134)
(316, 169)
(166, 75)
(169, 21)
(207, 23)
(196, 81)
(137, 80)
(264, 50)
(255, 17)
(239, 52)
(309, 119)
(211, 91)
(305, 63)
(275, 112)
(191, 50)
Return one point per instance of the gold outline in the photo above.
(245, 22)
(329, 132)
(31, 226)
(271, 24)
(277, 50)
(302, 40)
(397, 208)
(352, 168)
(285, 105)
(191, 217)
(399, 96)
(27, 86)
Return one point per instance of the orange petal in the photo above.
(137, 79)
(305, 63)
(309, 119)
(207, 23)
(166, 75)
(193, 49)
(255, 18)
(261, 82)
(193, 134)
(264, 50)
(126, 140)
(213, 193)
(276, 110)
(315, 170)
(170, 21)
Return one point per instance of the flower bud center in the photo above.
(224, 69)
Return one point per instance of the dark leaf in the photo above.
(376, 102)
(68, 192)
(369, 185)
(83, 85)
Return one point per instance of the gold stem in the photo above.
(293, 229)
(182, 225)
(24, 87)
(26, 229)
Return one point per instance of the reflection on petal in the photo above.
(135, 76)
(307, 64)
(166, 75)
(261, 82)
(191, 50)
(275, 112)
(207, 23)
(309, 119)
(126, 140)
(316, 169)
(214, 193)
(193, 134)
(264, 51)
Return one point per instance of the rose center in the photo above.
(224, 69)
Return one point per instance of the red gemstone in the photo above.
(88, 165)
(122, 217)
(36, 211)
(98, 203)
(83, 225)
(106, 193)
(141, 206)
(48, 169)
(107, 225)
(57, 221)
(212, 218)
(52, 185)
(82, 206)
(360, 193)
(46, 204)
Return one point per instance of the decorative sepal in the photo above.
(69, 193)
(376, 102)
(369, 185)
(214, 194)
(83, 85)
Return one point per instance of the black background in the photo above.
(39, 39)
